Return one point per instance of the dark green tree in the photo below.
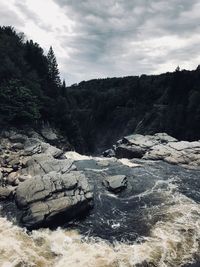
(17, 104)
(53, 71)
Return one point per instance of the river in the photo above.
(154, 222)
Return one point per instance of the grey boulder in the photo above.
(115, 183)
(45, 200)
(129, 152)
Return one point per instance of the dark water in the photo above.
(155, 221)
(132, 213)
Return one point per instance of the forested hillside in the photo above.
(31, 92)
(93, 114)
(107, 109)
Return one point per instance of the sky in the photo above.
(110, 38)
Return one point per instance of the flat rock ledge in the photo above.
(44, 199)
(159, 146)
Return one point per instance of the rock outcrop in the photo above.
(159, 146)
(41, 180)
(46, 198)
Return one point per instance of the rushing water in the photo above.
(154, 222)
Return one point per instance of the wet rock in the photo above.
(129, 152)
(115, 183)
(45, 198)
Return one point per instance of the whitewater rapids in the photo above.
(171, 243)
(174, 240)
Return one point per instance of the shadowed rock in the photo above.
(129, 152)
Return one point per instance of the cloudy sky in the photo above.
(106, 38)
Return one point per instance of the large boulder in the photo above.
(129, 152)
(45, 200)
(115, 183)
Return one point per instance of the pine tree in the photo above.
(53, 71)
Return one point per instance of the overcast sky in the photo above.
(106, 38)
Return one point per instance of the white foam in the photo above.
(128, 163)
(77, 157)
(172, 242)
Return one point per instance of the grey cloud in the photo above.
(30, 15)
(116, 37)
(106, 29)
(8, 17)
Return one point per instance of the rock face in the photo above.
(115, 183)
(43, 198)
(43, 183)
(159, 146)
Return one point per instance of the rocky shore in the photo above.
(40, 180)
(144, 193)
(48, 185)
(159, 146)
